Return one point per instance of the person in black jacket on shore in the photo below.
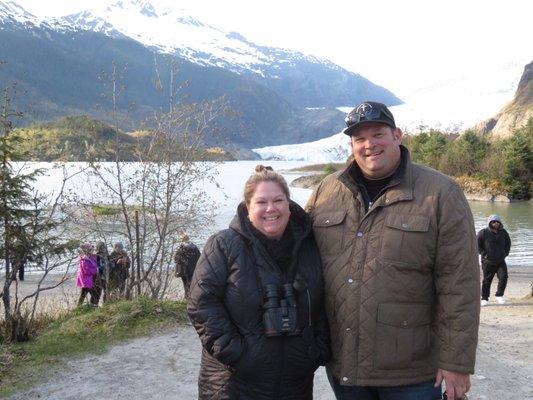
(256, 300)
(494, 245)
(185, 259)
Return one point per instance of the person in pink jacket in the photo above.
(87, 270)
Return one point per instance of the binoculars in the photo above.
(281, 313)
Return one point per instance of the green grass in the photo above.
(105, 209)
(112, 209)
(81, 331)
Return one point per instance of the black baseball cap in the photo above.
(368, 111)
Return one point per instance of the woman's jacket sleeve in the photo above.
(218, 334)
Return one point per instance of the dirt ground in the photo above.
(165, 365)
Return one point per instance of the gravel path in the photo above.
(165, 366)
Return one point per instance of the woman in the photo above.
(87, 269)
(256, 300)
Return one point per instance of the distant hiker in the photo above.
(21, 271)
(102, 258)
(185, 258)
(87, 269)
(120, 268)
(494, 245)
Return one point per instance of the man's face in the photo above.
(495, 225)
(376, 149)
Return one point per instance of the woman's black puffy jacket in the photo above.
(226, 307)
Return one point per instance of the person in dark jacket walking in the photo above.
(494, 245)
(256, 300)
(102, 259)
(21, 271)
(120, 269)
(185, 258)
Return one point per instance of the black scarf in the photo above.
(279, 250)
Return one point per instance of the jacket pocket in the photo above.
(406, 238)
(254, 357)
(328, 228)
(403, 335)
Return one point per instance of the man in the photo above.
(21, 271)
(186, 257)
(398, 245)
(120, 268)
(494, 245)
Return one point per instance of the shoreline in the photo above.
(520, 283)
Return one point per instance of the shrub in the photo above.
(329, 169)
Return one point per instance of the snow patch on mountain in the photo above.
(13, 12)
(85, 20)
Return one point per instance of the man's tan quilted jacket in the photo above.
(402, 280)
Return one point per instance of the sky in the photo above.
(403, 45)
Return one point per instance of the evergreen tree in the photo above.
(518, 162)
(27, 230)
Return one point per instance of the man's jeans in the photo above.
(419, 391)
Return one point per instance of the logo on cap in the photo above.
(363, 108)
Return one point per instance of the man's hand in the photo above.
(456, 384)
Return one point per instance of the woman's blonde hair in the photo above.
(263, 174)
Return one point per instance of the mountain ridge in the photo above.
(57, 62)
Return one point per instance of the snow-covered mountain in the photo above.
(12, 12)
(304, 80)
(277, 95)
(176, 31)
(281, 96)
(167, 30)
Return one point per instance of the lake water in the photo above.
(517, 217)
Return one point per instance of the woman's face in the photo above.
(269, 209)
